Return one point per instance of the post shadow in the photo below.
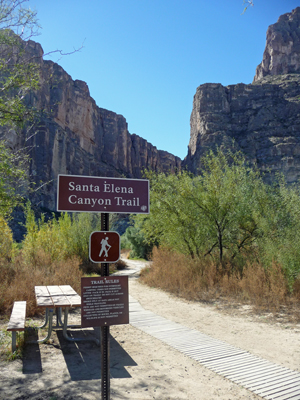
(119, 359)
(83, 359)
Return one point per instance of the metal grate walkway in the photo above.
(262, 377)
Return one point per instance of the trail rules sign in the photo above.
(104, 301)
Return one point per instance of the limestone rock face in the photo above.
(282, 52)
(74, 136)
(261, 119)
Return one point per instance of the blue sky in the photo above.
(144, 59)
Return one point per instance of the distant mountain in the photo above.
(75, 136)
(263, 118)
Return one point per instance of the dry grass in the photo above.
(201, 280)
(18, 279)
(120, 265)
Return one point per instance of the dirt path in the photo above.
(142, 367)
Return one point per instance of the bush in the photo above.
(60, 238)
(6, 240)
(134, 238)
(120, 265)
(18, 279)
(202, 280)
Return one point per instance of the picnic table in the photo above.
(55, 298)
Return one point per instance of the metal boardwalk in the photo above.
(262, 377)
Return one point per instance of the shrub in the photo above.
(202, 280)
(6, 240)
(18, 279)
(60, 238)
(134, 238)
(120, 265)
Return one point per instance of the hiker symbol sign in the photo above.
(104, 247)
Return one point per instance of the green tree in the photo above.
(172, 221)
(216, 214)
(281, 224)
(13, 178)
(134, 238)
(19, 70)
(230, 197)
(59, 238)
(6, 240)
(18, 77)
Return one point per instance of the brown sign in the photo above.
(104, 301)
(104, 247)
(106, 195)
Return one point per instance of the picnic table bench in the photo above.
(51, 298)
(54, 298)
(17, 321)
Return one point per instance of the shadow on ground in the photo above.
(82, 358)
(32, 363)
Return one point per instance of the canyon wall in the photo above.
(261, 119)
(75, 136)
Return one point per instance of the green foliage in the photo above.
(59, 238)
(172, 221)
(227, 214)
(12, 179)
(83, 224)
(134, 239)
(19, 75)
(19, 72)
(6, 240)
(229, 197)
(281, 224)
(125, 244)
(213, 214)
(29, 244)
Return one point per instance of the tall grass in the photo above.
(59, 239)
(201, 280)
(56, 253)
(6, 240)
(53, 253)
(18, 279)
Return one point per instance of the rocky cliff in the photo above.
(282, 51)
(75, 136)
(261, 119)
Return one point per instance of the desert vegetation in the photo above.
(223, 233)
(55, 252)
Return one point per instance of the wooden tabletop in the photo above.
(57, 296)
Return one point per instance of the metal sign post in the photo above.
(105, 345)
(76, 193)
